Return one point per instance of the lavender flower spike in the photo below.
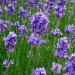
(39, 71)
(1, 11)
(56, 67)
(56, 32)
(35, 39)
(39, 23)
(10, 42)
(22, 30)
(23, 13)
(69, 28)
(7, 63)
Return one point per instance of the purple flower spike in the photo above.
(10, 42)
(3, 25)
(62, 47)
(16, 24)
(23, 13)
(39, 71)
(56, 67)
(31, 3)
(1, 11)
(63, 44)
(35, 39)
(7, 63)
(4, 1)
(59, 11)
(22, 30)
(10, 8)
(60, 53)
(61, 2)
(70, 65)
(56, 32)
(48, 5)
(69, 28)
(39, 23)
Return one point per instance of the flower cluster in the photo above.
(73, 37)
(16, 25)
(7, 63)
(56, 32)
(10, 42)
(56, 67)
(49, 5)
(22, 30)
(1, 11)
(23, 13)
(4, 1)
(35, 39)
(62, 46)
(39, 71)
(69, 28)
(70, 65)
(39, 23)
(3, 25)
(11, 8)
(31, 3)
(60, 8)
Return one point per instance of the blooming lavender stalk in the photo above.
(7, 63)
(69, 28)
(56, 32)
(62, 47)
(70, 65)
(73, 37)
(3, 25)
(4, 1)
(16, 25)
(10, 9)
(56, 67)
(39, 23)
(49, 5)
(31, 3)
(23, 13)
(39, 71)
(10, 42)
(22, 30)
(60, 8)
(59, 11)
(35, 39)
(1, 11)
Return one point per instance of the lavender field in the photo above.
(37, 37)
